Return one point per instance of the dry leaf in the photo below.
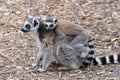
(102, 72)
(6, 13)
(18, 12)
(113, 39)
(73, 1)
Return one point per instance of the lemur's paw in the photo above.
(63, 68)
(31, 65)
(40, 70)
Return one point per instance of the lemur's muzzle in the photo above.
(23, 30)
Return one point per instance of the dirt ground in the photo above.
(100, 17)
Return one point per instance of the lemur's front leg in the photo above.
(38, 58)
(46, 60)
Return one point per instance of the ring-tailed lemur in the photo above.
(44, 38)
(64, 28)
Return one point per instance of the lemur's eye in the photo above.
(46, 25)
(51, 25)
(27, 26)
(56, 21)
(35, 23)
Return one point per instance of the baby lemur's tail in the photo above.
(106, 60)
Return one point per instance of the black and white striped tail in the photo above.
(90, 56)
(91, 60)
(106, 60)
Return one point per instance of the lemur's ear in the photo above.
(30, 16)
(35, 22)
(54, 15)
(43, 18)
(55, 20)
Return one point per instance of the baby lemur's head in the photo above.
(31, 24)
(50, 23)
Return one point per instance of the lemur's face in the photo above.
(31, 24)
(50, 22)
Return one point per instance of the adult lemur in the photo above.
(45, 39)
(69, 57)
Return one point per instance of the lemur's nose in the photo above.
(23, 30)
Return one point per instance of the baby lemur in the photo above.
(65, 28)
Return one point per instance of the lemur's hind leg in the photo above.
(58, 37)
(67, 57)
